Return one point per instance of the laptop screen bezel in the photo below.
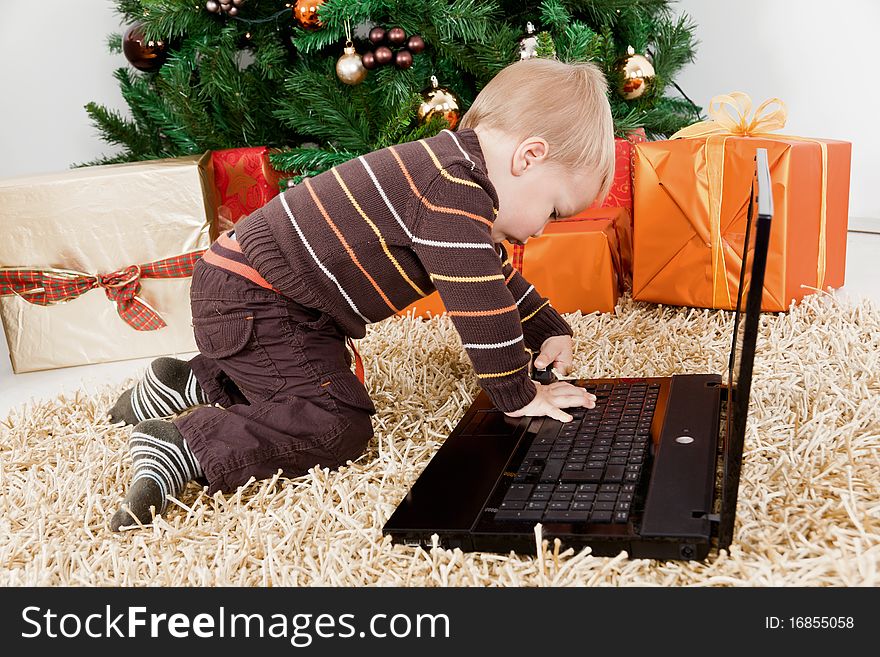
(740, 390)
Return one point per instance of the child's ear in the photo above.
(531, 151)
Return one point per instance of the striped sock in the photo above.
(163, 464)
(168, 387)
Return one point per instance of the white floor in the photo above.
(863, 253)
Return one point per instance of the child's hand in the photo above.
(558, 351)
(552, 398)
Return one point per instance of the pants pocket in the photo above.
(345, 387)
(230, 340)
(222, 336)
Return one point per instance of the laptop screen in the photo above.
(745, 333)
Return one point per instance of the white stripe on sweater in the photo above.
(320, 264)
(531, 287)
(494, 345)
(457, 143)
(403, 226)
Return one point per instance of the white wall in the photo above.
(813, 54)
(54, 60)
(817, 56)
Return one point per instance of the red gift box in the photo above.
(244, 181)
(621, 192)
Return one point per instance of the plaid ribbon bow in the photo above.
(47, 286)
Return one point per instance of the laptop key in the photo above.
(552, 468)
(531, 516)
(591, 474)
(621, 516)
(614, 473)
(607, 497)
(603, 506)
(566, 516)
(513, 505)
(595, 516)
(519, 492)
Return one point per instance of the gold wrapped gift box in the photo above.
(98, 220)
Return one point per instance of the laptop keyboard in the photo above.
(588, 471)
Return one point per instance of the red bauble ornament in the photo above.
(144, 54)
(415, 44)
(368, 59)
(377, 35)
(396, 36)
(403, 59)
(383, 55)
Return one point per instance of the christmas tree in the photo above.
(327, 80)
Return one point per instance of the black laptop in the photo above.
(653, 469)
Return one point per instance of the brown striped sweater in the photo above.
(370, 236)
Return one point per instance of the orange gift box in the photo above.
(579, 263)
(621, 193)
(692, 197)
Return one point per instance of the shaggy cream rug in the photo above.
(808, 507)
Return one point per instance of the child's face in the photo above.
(533, 191)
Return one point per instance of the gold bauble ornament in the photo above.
(438, 100)
(638, 74)
(349, 68)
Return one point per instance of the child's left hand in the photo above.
(558, 351)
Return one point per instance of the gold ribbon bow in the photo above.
(730, 116)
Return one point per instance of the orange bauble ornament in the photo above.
(306, 14)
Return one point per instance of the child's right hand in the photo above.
(551, 399)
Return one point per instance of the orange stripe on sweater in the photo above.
(428, 204)
(348, 248)
(228, 243)
(480, 313)
(241, 269)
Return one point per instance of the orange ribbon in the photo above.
(730, 116)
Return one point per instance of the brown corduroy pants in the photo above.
(282, 374)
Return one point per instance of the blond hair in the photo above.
(566, 104)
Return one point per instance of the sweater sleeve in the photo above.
(539, 319)
(452, 239)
